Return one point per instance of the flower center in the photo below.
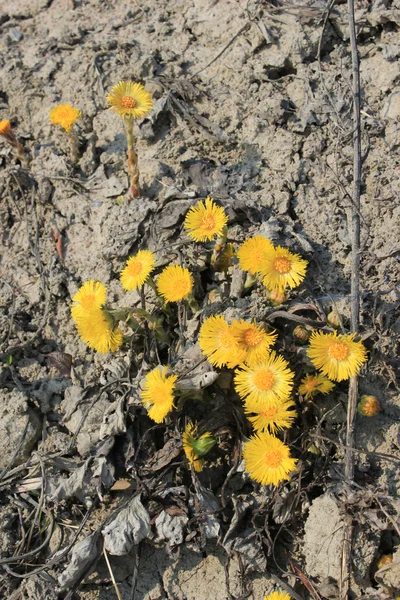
(264, 379)
(88, 301)
(226, 339)
(208, 222)
(182, 287)
(282, 265)
(273, 458)
(128, 102)
(136, 267)
(338, 350)
(269, 412)
(253, 337)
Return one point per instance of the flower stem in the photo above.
(73, 138)
(133, 168)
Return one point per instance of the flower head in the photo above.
(369, 406)
(313, 384)
(158, 391)
(337, 356)
(5, 127)
(224, 261)
(137, 269)
(276, 297)
(97, 329)
(277, 596)
(130, 99)
(253, 252)
(282, 268)
(196, 446)
(91, 295)
(175, 283)
(264, 380)
(205, 220)
(256, 341)
(65, 116)
(267, 459)
(271, 415)
(220, 343)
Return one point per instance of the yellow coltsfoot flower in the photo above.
(137, 269)
(91, 295)
(272, 415)
(264, 380)
(5, 127)
(158, 392)
(337, 356)
(283, 269)
(253, 252)
(175, 283)
(313, 384)
(277, 596)
(65, 116)
(130, 99)
(220, 343)
(267, 459)
(205, 221)
(254, 339)
(98, 331)
(196, 446)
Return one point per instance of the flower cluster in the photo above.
(277, 267)
(262, 377)
(94, 322)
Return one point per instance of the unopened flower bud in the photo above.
(301, 333)
(276, 297)
(369, 406)
(333, 319)
(385, 559)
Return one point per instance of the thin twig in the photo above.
(355, 290)
(111, 574)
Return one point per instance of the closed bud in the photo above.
(333, 319)
(369, 406)
(203, 445)
(301, 333)
(276, 297)
(385, 559)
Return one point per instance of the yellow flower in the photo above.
(5, 127)
(196, 446)
(276, 297)
(337, 356)
(130, 99)
(282, 268)
(277, 596)
(256, 341)
(91, 295)
(253, 252)
(137, 269)
(272, 414)
(205, 220)
(65, 116)
(158, 391)
(175, 283)
(264, 380)
(98, 331)
(313, 384)
(220, 343)
(267, 459)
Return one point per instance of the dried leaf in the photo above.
(170, 528)
(83, 555)
(129, 527)
(61, 361)
(165, 456)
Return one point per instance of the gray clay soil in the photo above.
(253, 106)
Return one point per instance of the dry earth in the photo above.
(253, 107)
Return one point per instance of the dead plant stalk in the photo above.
(355, 292)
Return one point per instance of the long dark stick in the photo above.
(355, 295)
